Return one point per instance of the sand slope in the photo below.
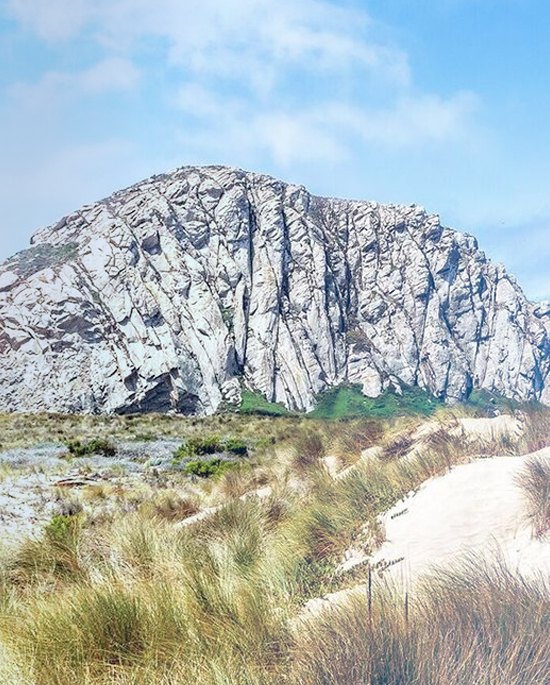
(475, 508)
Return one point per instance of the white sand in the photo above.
(475, 508)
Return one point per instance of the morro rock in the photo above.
(178, 292)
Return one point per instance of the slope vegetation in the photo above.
(138, 569)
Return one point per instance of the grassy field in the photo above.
(204, 580)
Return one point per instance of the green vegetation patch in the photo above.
(199, 447)
(211, 444)
(347, 401)
(38, 257)
(236, 446)
(491, 403)
(256, 403)
(63, 530)
(206, 468)
(96, 446)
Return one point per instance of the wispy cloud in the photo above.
(330, 131)
(242, 65)
(112, 73)
(412, 120)
(54, 19)
(234, 38)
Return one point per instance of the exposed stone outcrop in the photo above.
(179, 291)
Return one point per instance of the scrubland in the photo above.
(197, 567)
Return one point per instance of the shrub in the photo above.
(54, 556)
(212, 467)
(491, 403)
(348, 401)
(256, 403)
(63, 530)
(38, 257)
(236, 446)
(95, 446)
(199, 447)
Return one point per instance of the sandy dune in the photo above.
(475, 508)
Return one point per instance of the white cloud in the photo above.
(295, 139)
(55, 87)
(275, 84)
(329, 131)
(52, 19)
(233, 38)
(199, 101)
(412, 121)
(113, 73)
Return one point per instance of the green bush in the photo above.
(347, 401)
(212, 467)
(211, 444)
(236, 446)
(491, 403)
(95, 446)
(54, 555)
(63, 530)
(38, 257)
(199, 447)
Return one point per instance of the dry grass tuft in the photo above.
(172, 505)
(534, 481)
(350, 438)
(396, 447)
(308, 450)
(536, 429)
(478, 624)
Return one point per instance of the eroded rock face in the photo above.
(179, 291)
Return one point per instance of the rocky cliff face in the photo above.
(179, 291)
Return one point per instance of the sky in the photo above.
(442, 103)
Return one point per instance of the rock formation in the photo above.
(181, 290)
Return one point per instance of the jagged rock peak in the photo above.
(181, 290)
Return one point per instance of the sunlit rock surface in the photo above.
(178, 292)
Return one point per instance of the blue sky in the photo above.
(444, 103)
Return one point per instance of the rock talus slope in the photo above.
(177, 292)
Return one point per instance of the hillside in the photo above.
(182, 291)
